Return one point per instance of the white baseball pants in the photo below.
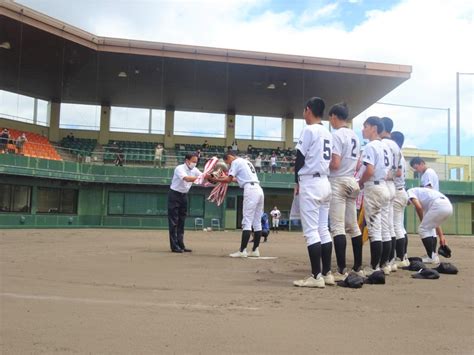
(375, 197)
(275, 222)
(388, 230)
(342, 209)
(315, 194)
(252, 207)
(439, 211)
(399, 203)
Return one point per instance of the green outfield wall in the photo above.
(38, 193)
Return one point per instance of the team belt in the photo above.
(309, 176)
(251, 183)
(177, 192)
(374, 182)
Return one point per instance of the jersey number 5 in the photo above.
(327, 150)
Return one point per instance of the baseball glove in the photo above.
(445, 251)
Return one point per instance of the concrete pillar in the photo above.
(54, 109)
(229, 129)
(287, 131)
(169, 128)
(104, 132)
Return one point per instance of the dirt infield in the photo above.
(122, 291)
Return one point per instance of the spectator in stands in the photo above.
(292, 163)
(20, 142)
(158, 155)
(70, 137)
(273, 162)
(284, 164)
(4, 137)
(205, 145)
(258, 163)
(119, 157)
(235, 148)
(229, 148)
(198, 154)
(249, 149)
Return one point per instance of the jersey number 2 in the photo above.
(354, 146)
(327, 150)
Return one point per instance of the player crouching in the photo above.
(433, 208)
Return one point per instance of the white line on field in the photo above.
(124, 302)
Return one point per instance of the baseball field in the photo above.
(110, 291)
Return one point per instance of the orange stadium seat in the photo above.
(37, 145)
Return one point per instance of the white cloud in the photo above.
(314, 14)
(434, 37)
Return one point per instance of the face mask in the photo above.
(191, 166)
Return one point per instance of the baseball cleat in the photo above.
(255, 253)
(433, 260)
(329, 279)
(402, 263)
(393, 266)
(310, 281)
(340, 277)
(386, 269)
(239, 254)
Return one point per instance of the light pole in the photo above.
(448, 110)
(458, 114)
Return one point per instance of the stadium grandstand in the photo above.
(87, 104)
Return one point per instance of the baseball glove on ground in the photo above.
(445, 251)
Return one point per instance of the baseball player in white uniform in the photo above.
(276, 214)
(392, 150)
(376, 194)
(433, 208)
(183, 177)
(344, 187)
(312, 184)
(243, 172)
(429, 179)
(399, 203)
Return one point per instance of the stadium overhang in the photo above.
(52, 60)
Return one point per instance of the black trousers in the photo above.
(177, 211)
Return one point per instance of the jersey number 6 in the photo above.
(385, 158)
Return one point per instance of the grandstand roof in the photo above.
(55, 61)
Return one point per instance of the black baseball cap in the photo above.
(377, 278)
(352, 281)
(429, 274)
(415, 265)
(447, 268)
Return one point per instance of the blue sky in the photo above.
(431, 36)
(347, 13)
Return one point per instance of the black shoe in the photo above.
(186, 250)
(177, 250)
